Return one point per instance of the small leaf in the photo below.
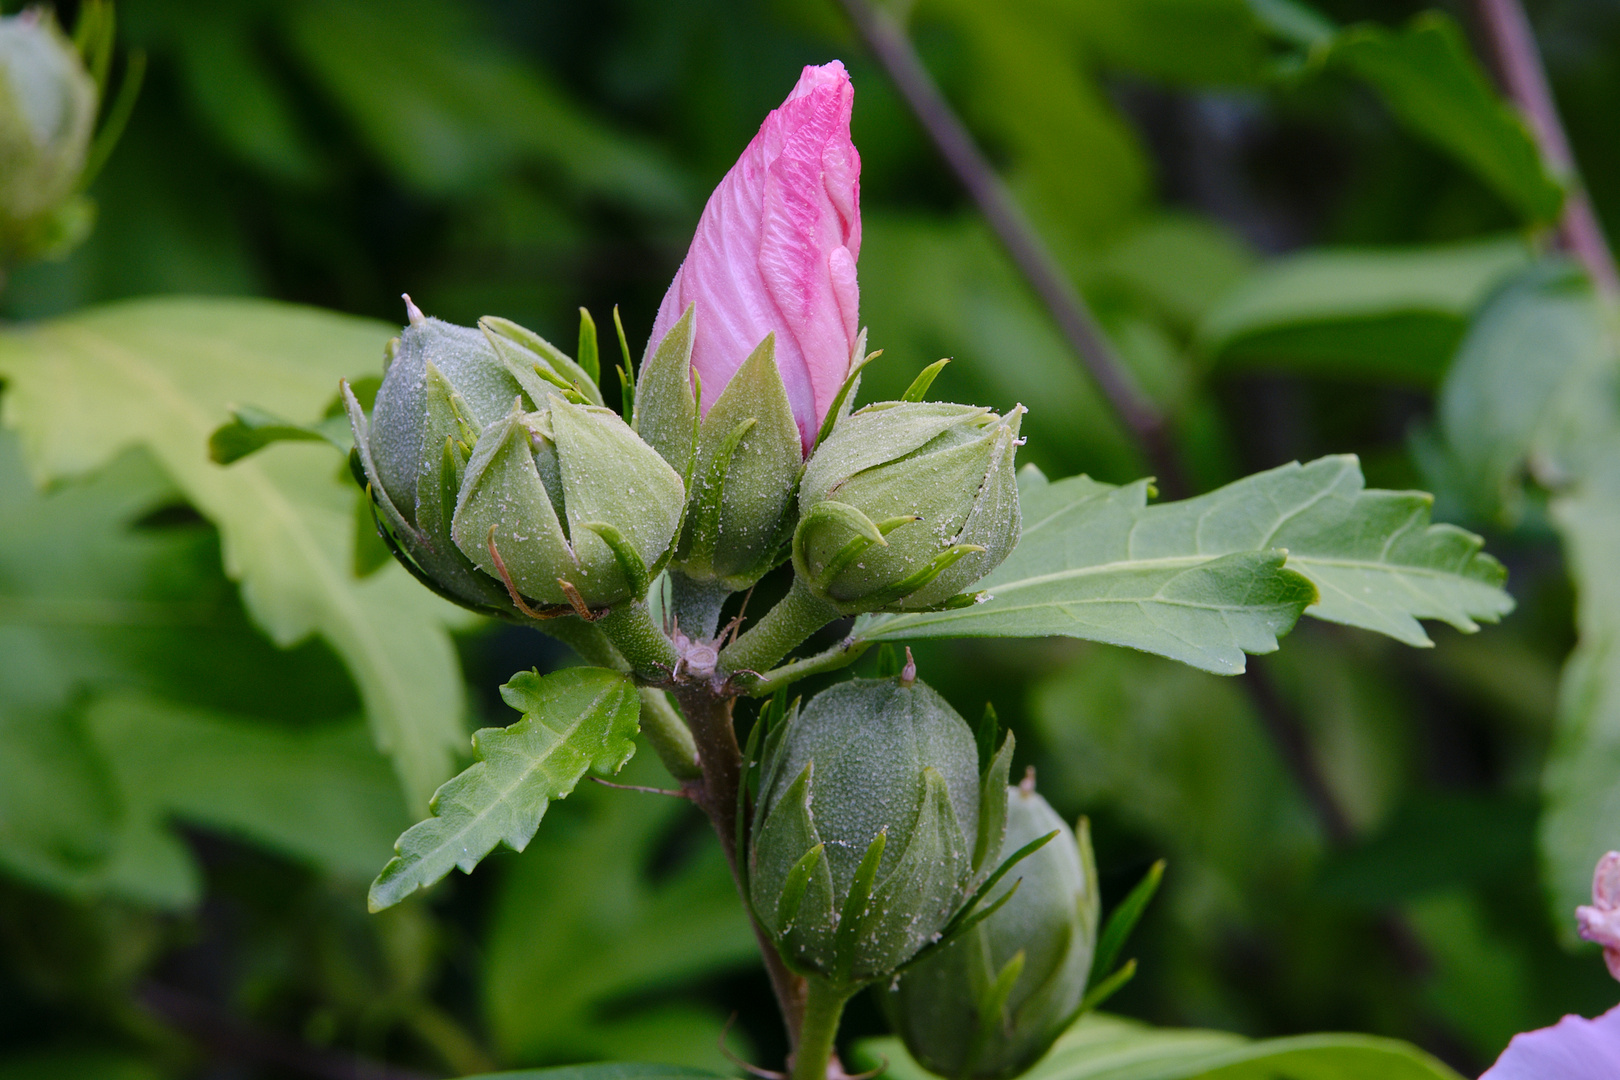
(253, 429)
(925, 378)
(588, 359)
(576, 721)
(1123, 919)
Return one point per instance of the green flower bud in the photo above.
(567, 497)
(866, 835)
(604, 506)
(48, 107)
(990, 1004)
(907, 504)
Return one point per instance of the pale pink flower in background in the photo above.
(775, 251)
(1575, 1048)
(1600, 922)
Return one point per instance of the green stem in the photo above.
(783, 628)
(584, 638)
(823, 1008)
(668, 735)
(697, 604)
(633, 632)
(843, 654)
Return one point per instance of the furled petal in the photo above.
(1575, 1048)
(775, 251)
(1600, 923)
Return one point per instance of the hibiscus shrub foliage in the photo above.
(935, 539)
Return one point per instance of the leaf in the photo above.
(1203, 580)
(1389, 314)
(1533, 387)
(1103, 1047)
(1428, 77)
(161, 374)
(317, 795)
(1188, 42)
(607, 978)
(576, 721)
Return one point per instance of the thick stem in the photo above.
(631, 628)
(823, 1009)
(1518, 64)
(584, 638)
(781, 630)
(709, 718)
(843, 654)
(668, 735)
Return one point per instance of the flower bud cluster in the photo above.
(504, 480)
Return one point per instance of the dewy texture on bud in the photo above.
(866, 836)
(494, 465)
(1600, 922)
(775, 252)
(989, 1005)
(47, 114)
(907, 504)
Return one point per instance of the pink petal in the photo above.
(1572, 1049)
(1606, 881)
(775, 252)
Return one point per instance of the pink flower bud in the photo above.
(1600, 923)
(775, 251)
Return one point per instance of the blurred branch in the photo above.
(1518, 64)
(885, 39)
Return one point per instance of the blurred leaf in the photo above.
(1182, 265)
(75, 1065)
(161, 374)
(1535, 384)
(576, 721)
(598, 981)
(58, 810)
(931, 289)
(1103, 1047)
(1581, 816)
(1427, 75)
(1203, 580)
(447, 107)
(1076, 161)
(1391, 314)
(1481, 983)
(1187, 42)
(319, 796)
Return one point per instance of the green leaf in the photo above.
(253, 429)
(1390, 314)
(1533, 387)
(577, 721)
(161, 374)
(607, 978)
(1103, 1047)
(1203, 581)
(317, 795)
(1427, 76)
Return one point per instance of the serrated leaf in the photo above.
(1103, 1047)
(1375, 313)
(1428, 77)
(576, 721)
(1204, 580)
(162, 374)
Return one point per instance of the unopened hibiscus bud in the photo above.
(1600, 922)
(447, 390)
(48, 107)
(568, 505)
(907, 504)
(758, 331)
(866, 838)
(990, 1004)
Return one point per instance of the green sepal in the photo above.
(1096, 995)
(993, 1005)
(629, 559)
(1123, 919)
(794, 886)
(786, 835)
(535, 362)
(988, 736)
(925, 378)
(588, 360)
(845, 399)
(665, 407)
(925, 574)
(857, 904)
(627, 372)
(993, 805)
(745, 479)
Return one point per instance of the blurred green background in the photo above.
(1201, 182)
